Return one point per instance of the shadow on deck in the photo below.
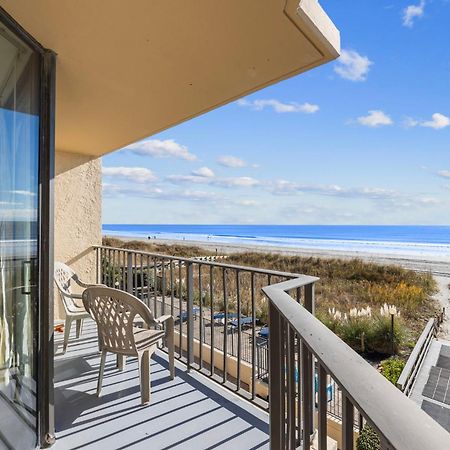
(188, 412)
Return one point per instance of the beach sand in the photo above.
(436, 265)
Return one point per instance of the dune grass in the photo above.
(346, 284)
(343, 285)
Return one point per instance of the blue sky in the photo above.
(363, 140)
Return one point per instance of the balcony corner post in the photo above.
(275, 386)
(309, 298)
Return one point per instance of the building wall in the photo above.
(78, 206)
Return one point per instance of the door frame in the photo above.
(44, 313)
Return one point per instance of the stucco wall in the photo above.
(78, 205)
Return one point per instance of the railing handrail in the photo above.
(416, 357)
(400, 423)
(274, 273)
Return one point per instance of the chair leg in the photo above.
(121, 362)
(79, 327)
(144, 376)
(67, 327)
(100, 373)
(171, 347)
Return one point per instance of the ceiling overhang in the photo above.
(127, 70)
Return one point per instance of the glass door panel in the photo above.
(19, 178)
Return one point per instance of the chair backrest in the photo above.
(63, 275)
(114, 312)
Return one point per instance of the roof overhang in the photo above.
(127, 70)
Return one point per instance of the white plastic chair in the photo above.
(64, 276)
(115, 312)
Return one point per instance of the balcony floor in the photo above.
(190, 411)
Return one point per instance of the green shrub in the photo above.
(329, 322)
(376, 328)
(368, 439)
(392, 368)
(379, 335)
(352, 330)
(262, 312)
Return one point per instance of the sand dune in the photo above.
(437, 265)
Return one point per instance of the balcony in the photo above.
(189, 411)
(231, 371)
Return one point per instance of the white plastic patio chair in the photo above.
(64, 276)
(115, 312)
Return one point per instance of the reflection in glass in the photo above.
(19, 151)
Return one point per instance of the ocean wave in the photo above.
(438, 244)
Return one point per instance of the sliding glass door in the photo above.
(24, 252)
(19, 178)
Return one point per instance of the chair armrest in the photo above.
(162, 319)
(84, 284)
(80, 296)
(156, 322)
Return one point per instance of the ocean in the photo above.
(410, 241)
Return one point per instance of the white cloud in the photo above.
(196, 195)
(283, 187)
(117, 190)
(374, 119)
(231, 161)
(353, 66)
(444, 173)
(9, 203)
(137, 174)
(24, 193)
(385, 198)
(179, 179)
(161, 149)
(247, 203)
(234, 162)
(438, 121)
(429, 201)
(214, 181)
(29, 214)
(280, 107)
(412, 12)
(237, 182)
(149, 192)
(205, 172)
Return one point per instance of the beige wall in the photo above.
(78, 206)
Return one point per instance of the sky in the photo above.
(362, 140)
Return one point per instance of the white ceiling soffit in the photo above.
(310, 18)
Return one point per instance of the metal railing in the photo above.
(204, 296)
(298, 339)
(409, 373)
